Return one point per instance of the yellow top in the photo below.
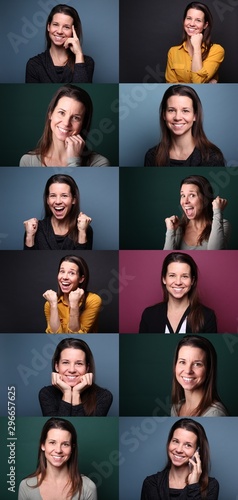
(88, 318)
(179, 62)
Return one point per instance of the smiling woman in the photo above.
(63, 61)
(181, 310)
(197, 60)
(183, 140)
(63, 142)
(201, 226)
(73, 309)
(63, 226)
(194, 391)
(73, 390)
(57, 474)
(186, 472)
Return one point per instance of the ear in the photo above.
(82, 279)
(205, 26)
(48, 27)
(163, 279)
(42, 447)
(195, 117)
(56, 367)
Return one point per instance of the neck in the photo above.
(183, 143)
(56, 473)
(198, 224)
(193, 398)
(59, 226)
(57, 152)
(58, 55)
(178, 304)
(178, 475)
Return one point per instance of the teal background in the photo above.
(148, 196)
(145, 372)
(97, 440)
(24, 109)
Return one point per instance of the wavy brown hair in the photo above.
(207, 31)
(201, 141)
(88, 396)
(207, 195)
(79, 95)
(68, 11)
(210, 394)
(73, 215)
(195, 316)
(75, 479)
(202, 442)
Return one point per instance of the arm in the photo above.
(104, 401)
(31, 227)
(31, 75)
(210, 65)
(220, 230)
(52, 313)
(173, 234)
(90, 313)
(51, 406)
(84, 65)
(210, 322)
(170, 74)
(193, 491)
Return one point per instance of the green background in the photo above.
(149, 195)
(24, 108)
(97, 440)
(146, 372)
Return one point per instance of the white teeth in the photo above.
(187, 379)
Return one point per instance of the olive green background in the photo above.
(97, 442)
(145, 370)
(23, 112)
(149, 195)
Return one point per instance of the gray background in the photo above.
(144, 452)
(21, 194)
(26, 25)
(30, 359)
(139, 119)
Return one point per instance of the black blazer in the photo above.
(154, 319)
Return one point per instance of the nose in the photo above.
(189, 368)
(178, 280)
(179, 448)
(58, 448)
(58, 199)
(71, 368)
(177, 115)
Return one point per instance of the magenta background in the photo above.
(217, 285)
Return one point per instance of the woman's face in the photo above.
(67, 118)
(57, 447)
(178, 279)
(72, 365)
(191, 201)
(182, 447)
(191, 368)
(60, 29)
(179, 115)
(60, 200)
(69, 277)
(194, 22)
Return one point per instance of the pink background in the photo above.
(217, 285)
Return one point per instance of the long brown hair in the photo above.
(83, 270)
(195, 316)
(75, 209)
(207, 31)
(88, 396)
(75, 479)
(79, 95)
(207, 194)
(68, 11)
(200, 139)
(210, 394)
(202, 442)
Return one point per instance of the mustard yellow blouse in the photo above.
(179, 62)
(88, 318)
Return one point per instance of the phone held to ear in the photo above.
(193, 458)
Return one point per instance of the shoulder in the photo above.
(207, 311)
(215, 410)
(103, 392)
(97, 160)
(216, 48)
(30, 160)
(213, 484)
(93, 299)
(150, 157)
(175, 49)
(156, 308)
(151, 482)
(28, 483)
(88, 60)
(88, 484)
(49, 390)
(38, 59)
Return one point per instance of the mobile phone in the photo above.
(194, 458)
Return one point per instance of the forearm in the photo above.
(82, 237)
(29, 240)
(74, 323)
(169, 243)
(54, 321)
(219, 235)
(196, 60)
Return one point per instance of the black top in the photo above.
(52, 405)
(156, 487)
(45, 239)
(154, 319)
(194, 160)
(40, 69)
